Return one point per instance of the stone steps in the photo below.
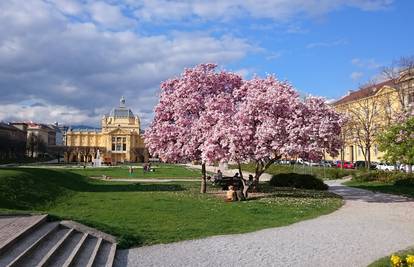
(33, 241)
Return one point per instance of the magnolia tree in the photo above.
(215, 116)
(266, 120)
(187, 112)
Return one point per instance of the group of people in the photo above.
(234, 185)
(147, 167)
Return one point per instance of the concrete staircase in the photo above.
(33, 241)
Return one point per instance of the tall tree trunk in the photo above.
(203, 188)
(368, 151)
(261, 167)
(245, 185)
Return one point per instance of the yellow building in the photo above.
(370, 110)
(119, 139)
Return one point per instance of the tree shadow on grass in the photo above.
(134, 187)
(28, 188)
(288, 192)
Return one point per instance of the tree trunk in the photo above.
(368, 151)
(203, 188)
(245, 185)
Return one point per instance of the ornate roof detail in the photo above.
(122, 111)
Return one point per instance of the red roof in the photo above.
(366, 91)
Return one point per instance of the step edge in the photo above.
(12, 240)
(111, 256)
(86, 229)
(33, 246)
(75, 251)
(94, 252)
(53, 250)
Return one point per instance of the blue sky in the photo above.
(71, 60)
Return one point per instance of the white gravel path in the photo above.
(368, 226)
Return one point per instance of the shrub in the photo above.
(296, 180)
(405, 182)
(384, 177)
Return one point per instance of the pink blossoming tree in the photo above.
(267, 121)
(215, 116)
(187, 112)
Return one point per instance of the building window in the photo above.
(375, 150)
(359, 151)
(119, 143)
(410, 97)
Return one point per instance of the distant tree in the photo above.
(366, 122)
(401, 67)
(397, 142)
(31, 144)
(35, 145)
(41, 147)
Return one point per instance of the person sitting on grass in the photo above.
(231, 194)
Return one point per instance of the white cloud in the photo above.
(46, 113)
(356, 75)
(109, 16)
(78, 66)
(279, 10)
(68, 6)
(369, 63)
(327, 44)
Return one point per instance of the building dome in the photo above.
(122, 111)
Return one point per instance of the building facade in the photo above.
(40, 137)
(118, 140)
(370, 110)
(12, 142)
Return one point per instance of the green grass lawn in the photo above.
(161, 171)
(385, 261)
(385, 187)
(145, 213)
(324, 173)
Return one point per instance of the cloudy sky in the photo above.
(71, 60)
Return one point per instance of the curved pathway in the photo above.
(368, 226)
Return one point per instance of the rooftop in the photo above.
(122, 111)
(364, 92)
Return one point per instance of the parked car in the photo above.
(360, 164)
(403, 167)
(347, 165)
(311, 163)
(385, 166)
(327, 163)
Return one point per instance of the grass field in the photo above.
(161, 171)
(384, 187)
(324, 173)
(146, 213)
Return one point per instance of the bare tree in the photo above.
(396, 72)
(31, 144)
(365, 124)
(345, 133)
